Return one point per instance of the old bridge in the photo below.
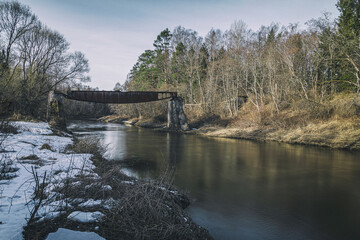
(176, 117)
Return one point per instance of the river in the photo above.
(243, 189)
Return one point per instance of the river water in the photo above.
(243, 189)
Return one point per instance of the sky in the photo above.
(113, 33)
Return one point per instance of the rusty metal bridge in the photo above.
(118, 97)
(176, 116)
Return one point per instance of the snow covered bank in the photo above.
(49, 191)
(25, 153)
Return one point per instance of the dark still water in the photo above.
(244, 189)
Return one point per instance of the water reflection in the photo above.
(250, 190)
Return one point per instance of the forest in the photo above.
(314, 69)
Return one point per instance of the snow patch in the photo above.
(90, 203)
(15, 193)
(63, 233)
(50, 216)
(128, 182)
(107, 188)
(129, 173)
(109, 204)
(85, 217)
(32, 127)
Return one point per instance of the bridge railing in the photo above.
(119, 97)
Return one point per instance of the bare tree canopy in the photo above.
(34, 60)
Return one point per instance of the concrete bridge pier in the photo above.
(176, 116)
(55, 111)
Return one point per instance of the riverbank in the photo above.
(334, 123)
(344, 134)
(56, 187)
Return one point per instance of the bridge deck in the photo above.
(119, 97)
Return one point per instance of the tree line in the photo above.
(275, 64)
(34, 59)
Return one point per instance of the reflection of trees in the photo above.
(277, 180)
(216, 165)
(154, 149)
(175, 149)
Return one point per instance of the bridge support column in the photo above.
(55, 111)
(176, 116)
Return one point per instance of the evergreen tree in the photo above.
(348, 42)
(162, 42)
(349, 19)
(178, 67)
(204, 61)
(162, 49)
(144, 73)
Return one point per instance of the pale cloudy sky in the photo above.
(113, 33)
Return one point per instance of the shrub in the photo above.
(90, 145)
(7, 169)
(7, 128)
(346, 106)
(150, 210)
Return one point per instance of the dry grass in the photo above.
(114, 118)
(90, 145)
(47, 147)
(343, 133)
(7, 168)
(193, 111)
(346, 105)
(7, 128)
(150, 211)
(30, 157)
(334, 123)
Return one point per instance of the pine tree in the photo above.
(348, 41)
(349, 19)
(144, 73)
(178, 65)
(162, 46)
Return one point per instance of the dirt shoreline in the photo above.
(335, 134)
